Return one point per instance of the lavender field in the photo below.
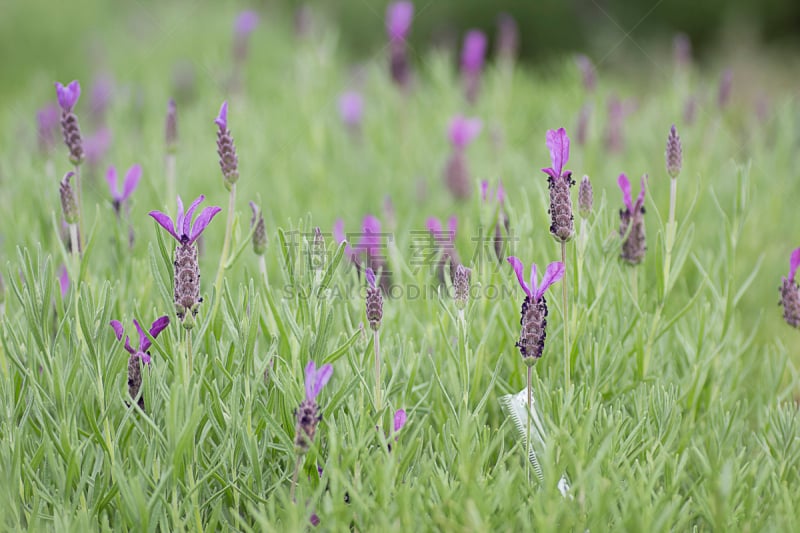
(253, 283)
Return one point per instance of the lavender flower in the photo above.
(560, 181)
(187, 269)
(374, 301)
(533, 319)
(473, 54)
(260, 232)
(228, 161)
(588, 72)
(725, 87)
(171, 127)
(351, 109)
(47, 120)
(245, 24)
(398, 23)
(790, 292)
(63, 281)
(507, 38)
(502, 217)
(132, 178)
(67, 98)
(461, 286)
(673, 153)
(136, 354)
(631, 227)
(399, 419)
(585, 197)
(69, 205)
(307, 414)
(462, 132)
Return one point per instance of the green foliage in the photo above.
(681, 412)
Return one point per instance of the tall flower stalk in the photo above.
(374, 306)
(473, 55)
(229, 164)
(533, 322)
(119, 199)
(171, 145)
(561, 218)
(398, 24)
(308, 415)
(67, 98)
(187, 269)
(674, 159)
(71, 211)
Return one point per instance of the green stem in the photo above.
(528, 434)
(189, 354)
(671, 228)
(377, 346)
(169, 163)
(78, 199)
(294, 476)
(566, 315)
(223, 258)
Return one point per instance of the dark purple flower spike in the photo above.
(187, 269)
(67, 98)
(374, 301)
(790, 292)
(307, 414)
(398, 24)
(533, 319)
(473, 55)
(560, 181)
(139, 353)
(228, 160)
(632, 222)
(462, 132)
(132, 178)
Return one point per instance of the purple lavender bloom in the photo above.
(682, 50)
(228, 160)
(63, 281)
(351, 109)
(588, 72)
(68, 96)
(245, 23)
(507, 38)
(790, 292)
(533, 319)
(96, 146)
(399, 419)
(47, 121)
(473, 54)
(316, 379)
(374, 301)
(132, 178)
(632, 222)
(183, 230)
(673, 153)
(398, 23)
(559, 182)
(100, 98)
(140, 353)
(725, 87)
(462, 132)
(307, 414)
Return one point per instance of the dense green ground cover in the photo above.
(681, 411)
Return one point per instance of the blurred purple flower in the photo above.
(100, 97)
(583, 124)
(725, 87)
(588, 72)
(132, 178)
(70, 129)
(507, 38)
(316, 379)
(96, 146)
(144, 343)
(682, 50)
(399, 419)
(68, 96)
(351, 109)
(398, 20)
(615, 124)
(171, 127)
(246, 22)
(226, 149)
(183, 230)
(463, 131)
(473, 54)
(47, 121)
(63, 280)
(631, 218)
(690, 110)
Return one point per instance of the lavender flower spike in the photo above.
(351, 109)
(631, 227)
(307, 414)
(462, 132)
(140, 353)
(674, 153)
(399, 419)
(790, 292)
(132, 178)
(398, 24)
(533, 319)
(585, 197)
(228, 160)
(67, 98)
(68, 203)
(560, 181)
(260, 232)
(473, 55)
(374, 301)
(187, 269)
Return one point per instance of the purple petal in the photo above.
(311, 374)
(203, 221)
(434, 225)
(473, 51)
(794, 263)
(186, 227)
(97, 145)
(68, 96)
(625, 185)
(554, 272)
(113, 186)
(159, 325)
(398, 19)
(118, 330)
(370, 239)
(144, 342)
(517, 264)
(558, 144)
(166, 222)
(128, 347)
(371, 224)
(370, 274)
(500, 195)
(338, 231)
(321, 378)
(351, 107)
(63, 280)
(131, 181)
(399, 420)
(146, 359)
(222, 118)
(640, 198)
(484, 189)
(534, 281)
(246, 22)
(464, 130)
